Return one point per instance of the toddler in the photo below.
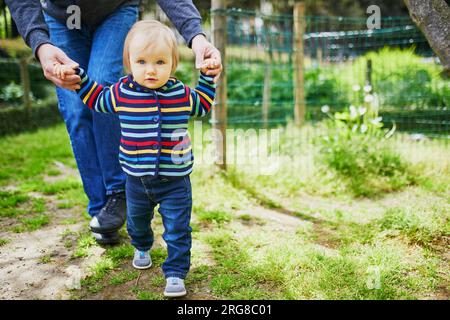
(155, 150)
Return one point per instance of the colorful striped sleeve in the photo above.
(202, 97)
(96, 96)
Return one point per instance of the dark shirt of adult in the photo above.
(32, 27)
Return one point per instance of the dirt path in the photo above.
(39, 264)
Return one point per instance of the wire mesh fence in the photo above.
(342, 58)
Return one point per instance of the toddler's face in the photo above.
(150, 65)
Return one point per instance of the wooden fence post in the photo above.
(299, 87)
(267, 87)
(219, 111)
(25, 78)
(369, 74)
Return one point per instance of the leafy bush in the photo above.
(15, 48)
(420, 225)
(322, 87)
(401, 79)
(354, 148)
(17, 119)
(10, 72)
(12, 93)
(368, 166)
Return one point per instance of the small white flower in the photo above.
(325, 109)
(376, 120)
(367, 88)
(353, 112)
(363, 128)
(368, 98)
(362, 110)
(356, 87)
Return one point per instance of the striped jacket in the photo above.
(154, 136)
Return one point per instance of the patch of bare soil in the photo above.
(38, 264)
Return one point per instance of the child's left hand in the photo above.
(210, 64)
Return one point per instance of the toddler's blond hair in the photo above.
(154, 31)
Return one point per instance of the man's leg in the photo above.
(106, 67)
(77, 117)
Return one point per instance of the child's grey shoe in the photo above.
(142, 259)
(174, 287)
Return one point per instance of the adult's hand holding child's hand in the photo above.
(51, 56)
(209, 64)
(63, 71)
(203, 49)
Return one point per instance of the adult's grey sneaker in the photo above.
(142, 259)
(107, 238)
(174, 287)
(112, 216)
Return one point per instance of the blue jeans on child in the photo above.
(94, 137)
(175, 204)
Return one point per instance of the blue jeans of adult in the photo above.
(94, 137)
(175, 204)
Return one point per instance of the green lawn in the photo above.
(297, 233)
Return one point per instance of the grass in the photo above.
(420, 225)
(27, 213)
(218, 217)
(84, 242)
(123, 277)
(46, 259)
(10, 199)
(50, 144)
(387, 246)
(32, 224)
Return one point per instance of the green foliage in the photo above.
(18, 119)
(148, 295)
(367, 165)
(235, 277)
(401, 79)
(354, 147)
(84, 242)
(10, 72)
(420, 225)
(12, 94)
(120, 253)
(123, 277)
(16, 48)
(60, 186)
(11, 199)
(35, 153)
(33, 223)
(322, 87)
(409, 88)
(216, 216)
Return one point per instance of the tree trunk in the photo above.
(433, 19)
